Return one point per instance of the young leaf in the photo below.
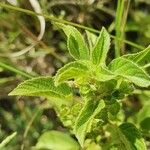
(91, 39)
(130, 71)
(131, 138)
(140, 58)
(85, 118)
(44, 86)
(73, 70)
(73, 47)
(75, 42)
(55, 140)
(101, 48)
(103, 74)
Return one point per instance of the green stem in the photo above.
(17, 71)
(118, 27)
(124, 20)
(67, 22)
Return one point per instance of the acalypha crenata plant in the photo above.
(87, 95)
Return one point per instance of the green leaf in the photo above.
(140, 58)
(73, 47)
(74, 70)
(83, 71)
(123, 88)
(102, 74)
(77, 46)
(144, 117)
(130, 70)
(44, 86)
(75, 42)
(91, 39)
(114, 108)
(85, 118)
(131, 137)
(55, 140)
(101, 48)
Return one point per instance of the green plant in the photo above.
(96, 116)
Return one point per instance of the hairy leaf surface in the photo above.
(130, 71)
(103, 74)
(73, 70)
(75, 42)
(43, 86)
(101, 48)
(140, 58)
(85, 118)
(91, 39)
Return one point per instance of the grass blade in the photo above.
(7, 140)
(118, 27)
(17, 71)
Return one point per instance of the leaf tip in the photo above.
(11, 93)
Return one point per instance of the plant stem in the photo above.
(125, 15)
(118, 27)
(17, 71)
(51, 18)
